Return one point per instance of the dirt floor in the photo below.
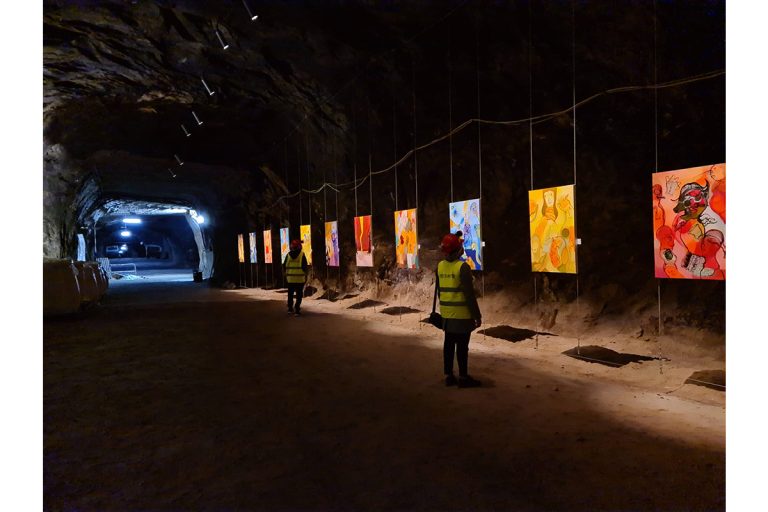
(177, 396)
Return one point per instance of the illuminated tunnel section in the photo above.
(161, 242)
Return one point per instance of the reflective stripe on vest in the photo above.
(294, 273)
(453, 302)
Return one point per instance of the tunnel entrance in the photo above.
(163, 245)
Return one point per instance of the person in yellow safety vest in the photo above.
(459, 309)
(295, 270)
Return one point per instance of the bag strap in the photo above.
(437, 284)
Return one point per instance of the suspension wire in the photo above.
(394, 140)
(337, 162)
(573, 97)
(354, 155)
(530, 139)
(415, 160)
(450, 115)
(656, 162)
(298, 169)
(530, 120)
(325, 228)
(479, 152)
(370, 165)
(309, 179)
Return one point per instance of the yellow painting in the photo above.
(406, 239)
(240, 249)
(306, 242)
(268, 246)
(553, 229)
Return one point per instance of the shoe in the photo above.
(290, 311)
(450, 380)
(466, 381)
(297, 313)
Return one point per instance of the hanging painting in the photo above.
(332, 244)
(254, 251)
(465, 217)
(284, 243)
(406, 240)
(306, 242)
(240, 249)
(268, 246)
(689, 223)
(553, 229)
(364, 241)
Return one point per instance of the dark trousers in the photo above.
(458, 343)
(298, 290)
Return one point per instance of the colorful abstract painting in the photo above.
(552, 213)
(306, 242)
(406, 239)
(364, 241)
(268, 246)
(689, 223)
(332, 244)
(284, 243)
(240, 249)
(465, 217)
(254, 251)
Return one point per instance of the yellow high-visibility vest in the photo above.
(294, 273)
(453, 302)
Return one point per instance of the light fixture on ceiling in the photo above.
(198, 218)
(253, 16)
(184, 129)
(178, 160)
(210, 92)
(221, 40)
(132, 220)
(173, 175)
(197, 119)
(125, 233)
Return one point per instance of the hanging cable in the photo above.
(415, 160)
(298, 170)
(479, 154)
(354, 155)
(450, 116)
(573, 98)
(530, 120)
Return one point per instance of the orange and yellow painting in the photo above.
(363, 241)
(240, 249)
(553, 229)
(284, 243)
(406, 239)
(268, 246)
(689, 223)
(306, 239)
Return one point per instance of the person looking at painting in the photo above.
(295, 270)
(459, 309)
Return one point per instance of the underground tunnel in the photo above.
(548, 176)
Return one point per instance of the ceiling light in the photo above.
(178, 160)
(253, 16)
(221, 40)
(197, 119)
(132, 220)
(210, 92)
(172, 173)
(184, 129)
(125, 233)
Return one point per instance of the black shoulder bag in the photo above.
(435, 318)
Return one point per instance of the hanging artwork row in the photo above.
(284, 243)
(363, 241)
(306, 241)
(689, 223)
(240, 249)
(553, 229)
(406, 239)
(254, 251)
(332, 244)
(465, 217)
(268, 246)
